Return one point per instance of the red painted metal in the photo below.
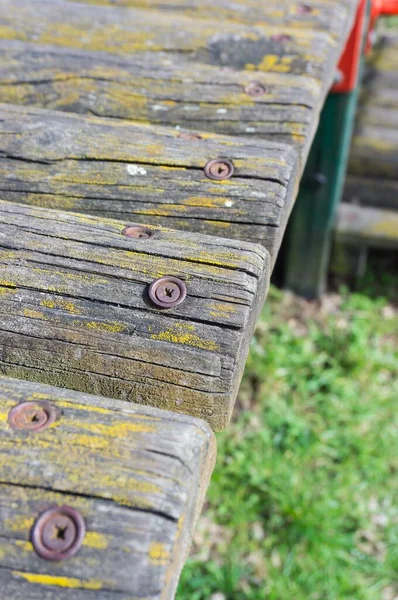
(378, 9)
(348, 68)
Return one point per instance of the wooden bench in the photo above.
(150, 156)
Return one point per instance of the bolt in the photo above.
(32, 416)
(138, 231)
(318, 180)
(281, 37)
(167, 292)
(255, 89)
(58, 533)
(304, 9)
(219, 168)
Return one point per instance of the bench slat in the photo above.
(368, 226)
(146, 174)
(75, 310)
(137, 475)
(317, 15)
(136, 80)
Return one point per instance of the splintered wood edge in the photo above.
(131, 463)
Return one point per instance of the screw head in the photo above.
(219, 168)
(281, 37)
(32, 416)
(138, 232)
(58, 533)
(167, 292)
(189, 135)
(304, 9)
(255, 89)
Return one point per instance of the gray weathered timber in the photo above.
(371, 191)
(317, 15)
(151, 74)
(373, 168)
(140, 173)
(75, 311)
(367, 226)
(374, 152)
(124, 31)
(137, 475)
(148, 88)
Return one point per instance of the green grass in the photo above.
(301, 505)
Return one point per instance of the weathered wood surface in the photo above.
(170, 91)
(371, 191)
(74, 310)
(323, 15)
(367, 226)
(374, 152)
(131, 171)
(373, 170)
(152, 73)
(137, 475)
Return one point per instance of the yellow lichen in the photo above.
(185, 334)
(63, 582)
(95, 540)
(158, 554)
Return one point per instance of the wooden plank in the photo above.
(371, 191)
(367, 226)
(317, 15)
(131, 171)
(374, 152)
(148, 84)
(146, 89)
(75, 310)
(135, 474)
(124, 31)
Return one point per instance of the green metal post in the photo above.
(311, 224)
(308, 241)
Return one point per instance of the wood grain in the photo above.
(136, 474)
(317, 14)
(368, 226)
(147, 72)
(150, 89)
(371, 191)
(75, 311)
(373, 168)
(130, 171)
(52, 55)
(374, 151)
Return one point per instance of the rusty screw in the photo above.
(32, 416)
(255, 89)
(58, 533)
(281, 37)
(219, 168)
(304, 9)
(189, 135)
(138, 231)
(167, 292)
